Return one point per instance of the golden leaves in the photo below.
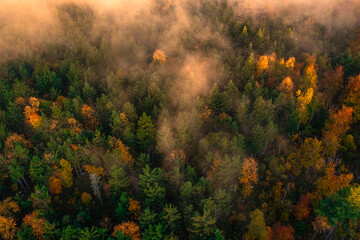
(249, 175)
(290, 63)
(263, 63)
(66, 173)
(98, 171)
(159, 56)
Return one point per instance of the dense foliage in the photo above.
(216, 127)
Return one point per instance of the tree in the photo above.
(40, 197)
(37, 224)
(249, 175)
(171, 217)
(337, 208)
(146, 133)
(55, 185)
(119, 179)
(89, 116)
(7, 228)
(202, 226)
(332, 83)
(256, 228)
(66, 173)
(159, 56)
(311, 78)
(39, 170)
(134, 208)
(338, 124)
(281, 232)
(302, 209)
(129, 229)
(331, 182)
(286, 87)
(122, 209)
(303, 100)
(151, 186)
(258, 138)
(123, 150)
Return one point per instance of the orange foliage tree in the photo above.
(129, 229)
(249, 175)
(55, 185)
(31, 112)
(330, 182)
(74, 126)
(7, 228)
(134, 208)
(263, 63)
(302, 209)
(290, 63)
(286, 87)
(281, 232)
(89, 116)
(337, 125)
(159, 56)
(86, 198)
(37, 224)
(332, 83)
(124, 151)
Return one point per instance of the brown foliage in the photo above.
(281, 232)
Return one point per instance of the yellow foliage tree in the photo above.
(66, 173)
(354, 196)
(263, 63)
(311, 77)
(303, 101)
(98, 171)
(290, 63)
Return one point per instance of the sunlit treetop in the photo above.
(159, 56)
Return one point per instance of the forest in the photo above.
(179, 119)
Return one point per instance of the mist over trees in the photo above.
(166, 119)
